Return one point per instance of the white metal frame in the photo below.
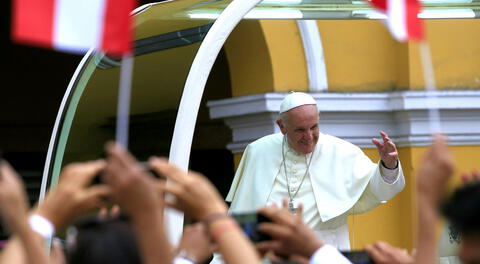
(313, 50)
(192, 95)
(56, 126)
(189, 104)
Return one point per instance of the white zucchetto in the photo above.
(296, 99)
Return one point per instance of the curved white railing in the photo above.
(193, 91)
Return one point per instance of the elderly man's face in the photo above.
(300, 125)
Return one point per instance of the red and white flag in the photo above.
(74, 25)
(402, 18)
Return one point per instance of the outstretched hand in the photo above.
(387, 150)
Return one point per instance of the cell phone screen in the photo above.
(358, 257)
(249, 223)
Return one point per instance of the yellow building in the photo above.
(362, 79)
(374, 83)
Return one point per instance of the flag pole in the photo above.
(123, 106)
(430, 88)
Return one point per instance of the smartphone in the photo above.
(249, 223)
(358, 257)
(150, 170)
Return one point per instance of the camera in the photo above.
(249, 223)
(358, 257)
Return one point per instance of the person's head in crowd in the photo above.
(95, 240)
(462, 210)
(299, 122)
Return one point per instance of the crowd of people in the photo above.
(132, 230)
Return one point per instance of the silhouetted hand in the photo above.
(290, 235)
(195, 194)
(74, 195)
(133, 188)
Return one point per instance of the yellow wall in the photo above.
(395, 221)
(266, 56)
(236, 159)
(455, 48)
(359, 55)
(362, 56)
(249, 61)
(286, 51)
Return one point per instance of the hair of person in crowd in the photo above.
(95, 240)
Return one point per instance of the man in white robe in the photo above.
(330, 177)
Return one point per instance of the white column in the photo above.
(312, 46)
(192, 95)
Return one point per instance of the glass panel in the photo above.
(340, 9)
(165, 46)
(168, 35)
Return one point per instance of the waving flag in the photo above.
(74, 25)
(402, 18)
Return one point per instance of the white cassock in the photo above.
(341, 180)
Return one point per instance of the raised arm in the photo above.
(197, 197)
(435, 171)
(137, 193)
(25, 244)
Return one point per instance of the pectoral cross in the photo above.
(291, 207)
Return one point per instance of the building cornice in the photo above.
(358, 117)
